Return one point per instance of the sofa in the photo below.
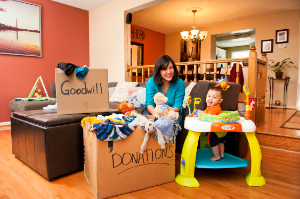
(52, 144)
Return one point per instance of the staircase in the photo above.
(271, 135)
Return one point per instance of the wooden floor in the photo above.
(280, 168)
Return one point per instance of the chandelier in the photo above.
(194, 34)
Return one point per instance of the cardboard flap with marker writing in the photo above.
(114, 168)
(86, 95)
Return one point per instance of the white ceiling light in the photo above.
(194, 34)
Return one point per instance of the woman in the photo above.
(165, 80)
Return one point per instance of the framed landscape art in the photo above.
(20, 28)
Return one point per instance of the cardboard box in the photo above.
(86, 95)
(114, 168)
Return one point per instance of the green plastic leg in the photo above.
(254, 178)
(188, 159)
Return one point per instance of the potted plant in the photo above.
(279, 67)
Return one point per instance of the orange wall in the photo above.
(154, 45)
(65, 38)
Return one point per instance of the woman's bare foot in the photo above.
(215, 158)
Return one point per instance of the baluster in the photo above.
(195, 73)
(143, 75)
(130, 74)
(237, 69)
(136, 75)
(186, 73)
(215, 71)
(204, 75)
(226, 69)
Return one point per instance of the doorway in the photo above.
(136, 54)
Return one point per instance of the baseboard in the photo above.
(291, 107)
(4, 123)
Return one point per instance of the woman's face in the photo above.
(168, 73)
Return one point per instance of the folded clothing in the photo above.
(51, 107)
(81, 72)
(110, 130)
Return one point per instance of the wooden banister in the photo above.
(257, 73)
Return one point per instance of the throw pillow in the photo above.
(138, 97)
(188, 90)
(111, 91)
(121, 93)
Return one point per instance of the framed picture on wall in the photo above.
(282, 36)
(267, 46)
(20, 28)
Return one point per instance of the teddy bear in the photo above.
(126, 108)
(150, 127)
(162, 109)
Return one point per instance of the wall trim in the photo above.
(5, 123)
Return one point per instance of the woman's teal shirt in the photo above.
(175, 93)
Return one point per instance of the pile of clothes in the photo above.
(118, 127)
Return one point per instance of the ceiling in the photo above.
(175, 15)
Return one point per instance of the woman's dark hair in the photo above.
(161, 64)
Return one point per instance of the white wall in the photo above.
(108, 45)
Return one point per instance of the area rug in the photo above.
(293, 122)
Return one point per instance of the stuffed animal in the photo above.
(150, 127)
(126, 108)
(162, 109)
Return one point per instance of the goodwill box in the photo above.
(87, 95)
(114, 168)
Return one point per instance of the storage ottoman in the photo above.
(50, 144)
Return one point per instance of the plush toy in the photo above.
(162, 109)
(126, 108)
(150, 127)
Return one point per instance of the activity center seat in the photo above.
(236, 142)
(191, 157)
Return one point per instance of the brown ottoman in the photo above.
(50, 144)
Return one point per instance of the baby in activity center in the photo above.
(215, 139)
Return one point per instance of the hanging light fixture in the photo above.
(194, 34)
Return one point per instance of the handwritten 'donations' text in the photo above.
(148, 157)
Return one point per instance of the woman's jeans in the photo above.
(146, 112)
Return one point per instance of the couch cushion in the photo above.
(28, 105)
(113, 105)
(53, 90)
(112, 84)
(141, 84)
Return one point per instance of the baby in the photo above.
(216, 140)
